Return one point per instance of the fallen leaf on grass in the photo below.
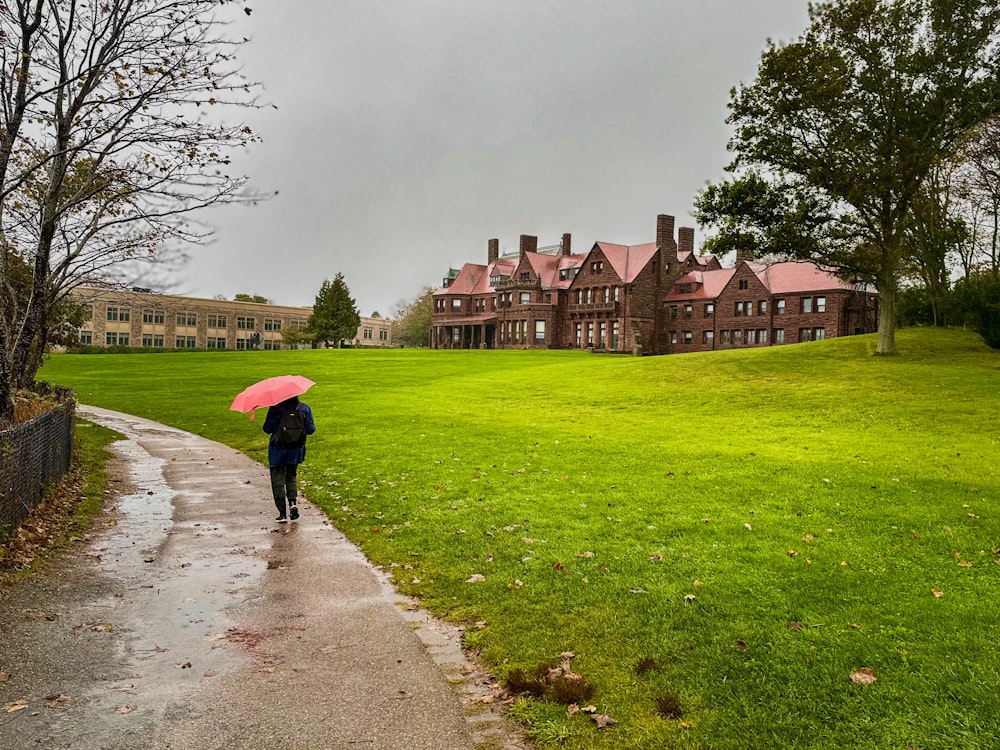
(853, 625)
(475, 578)
(637, 591)
(740, 645)
(795, 625)
(4, 676)
(126, 709)
(689, 598)
(15, 706)
(516, 585)
(748, 527)
(603, 720)
(572, 709)
(585, 554)
(863, 676)
(938, 593)
(964, 564)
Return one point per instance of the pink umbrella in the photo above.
(270, 392)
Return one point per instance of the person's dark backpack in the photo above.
(291, 432)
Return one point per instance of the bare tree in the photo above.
(112, 137)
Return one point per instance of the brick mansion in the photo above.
(655, 298)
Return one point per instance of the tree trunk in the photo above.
(886, 319)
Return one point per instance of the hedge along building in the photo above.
(640, 299)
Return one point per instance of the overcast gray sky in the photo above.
(410, 132)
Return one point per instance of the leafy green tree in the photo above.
(858, 111)
(412, 325)
(241, 297)
(977, 299)
(335, 316)
(296, 336)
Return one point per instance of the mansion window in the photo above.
(805, 334)
(366, 333)
(245, 323)
(597, 266)
(673, 337)
(709, 309)
(762, 336)
(779, 307)
(820, 304)
(708, 337)
(724, 336)
(456, 305)
(602, 333)
(744, 308)
(88, 312)
(579, 334)
(615, 295)
(86, 337)
(187, 319)
(807, 305)
(272, 324)
(215, 342)
(539, 331)
(607, 294)
(216, 321)
(744, 284)
(152, 316)
(688, 309)
(685, 288)
(152, 340)
(762, 307)
(673, 311)
(383, 335)
(687, 337)
(819, 334)
(737, 336)
(614, 333)
(525, 298)
(525, 276)
(116, 339)
(590, 334)
(779, 335)
(185, 342)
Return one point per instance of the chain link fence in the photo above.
(34, 456)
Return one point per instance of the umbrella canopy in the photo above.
(270, 392)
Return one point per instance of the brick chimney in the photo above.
(494, 251)
(566, 243)
(685, 240)
(529, 244)
(745, 254)
(665, 237)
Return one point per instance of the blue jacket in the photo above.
(277, 455)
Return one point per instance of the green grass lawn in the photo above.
(756, 525)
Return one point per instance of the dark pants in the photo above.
(283, 485)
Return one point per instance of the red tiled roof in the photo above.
(704, 284)
(785, 278)
(627, 260)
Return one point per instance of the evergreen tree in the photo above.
(335, 316)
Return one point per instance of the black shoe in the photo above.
(293, 512)
(281, 519)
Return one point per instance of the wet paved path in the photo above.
(192, 620)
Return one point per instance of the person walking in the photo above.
(288, 424)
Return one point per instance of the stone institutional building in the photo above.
(141, 318)
(655, 298)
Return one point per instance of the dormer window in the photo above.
(685, 288)
(597, 266)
